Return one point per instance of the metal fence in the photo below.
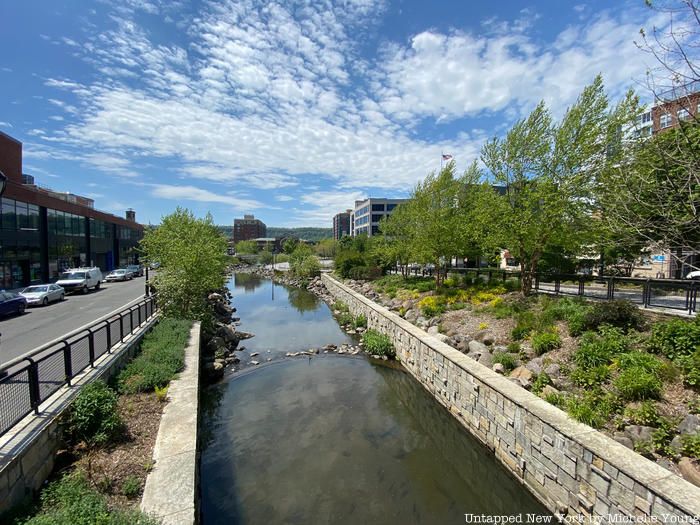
(656, 293)
(27, 381)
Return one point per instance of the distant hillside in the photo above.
(310, 234)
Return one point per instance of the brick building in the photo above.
(43, 232)
(341, 224)
(248, 228)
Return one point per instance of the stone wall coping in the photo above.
(171, 487)
(673, 488)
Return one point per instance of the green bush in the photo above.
(592, 376)
(636, 384)
(541, 381)
(378, 344)
(545, 341)
(644, 361)
(690, 367)
(360, 321)
(131, 487)
(691, 445)
(592, 408)
(162, 356)
(597, 349)
(675, 338)
(424, 286)
(513, 347)
(509, 361)
(645, 414)
(71, 501)
(93, 416)
(618, 313)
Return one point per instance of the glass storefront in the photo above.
(67, 243)
(20, 257)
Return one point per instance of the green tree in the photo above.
(303, 262)
(247, 247)
(192, 256)
(549, 170)
(326, 248)
(289, 245)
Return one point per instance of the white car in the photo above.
(119, 275)
(80, 279)
(693, 275)
(43, 294)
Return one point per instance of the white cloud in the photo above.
(284, 198)
(192, 193)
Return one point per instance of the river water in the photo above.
(335, 439)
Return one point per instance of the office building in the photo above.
(341, 224)
(248, 228)
(43, 232)
(675, 106)
(367, 214)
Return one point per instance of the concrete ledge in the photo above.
(569, 466)
(171, 487)
(27, 450)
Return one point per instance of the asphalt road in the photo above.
(42, 324)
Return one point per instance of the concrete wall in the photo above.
(27, 451)
(570, 467)
(171, 487)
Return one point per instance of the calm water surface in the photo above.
(336, 439)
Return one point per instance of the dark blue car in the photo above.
(11, 303)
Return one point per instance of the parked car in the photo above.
(154, 265)
(135, 269)
(43, 294)
(12, 303)
(80, 279)
(693, 275)
(119, 275)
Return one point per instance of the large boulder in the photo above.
(623, 439)
(477, 347)
(227, 332)
(689, 470)
(689, 425)
(523, 375)
(535, 366)
(486, 359)
(485, 336)
(639, 433)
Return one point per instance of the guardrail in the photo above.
(673, 294)
(30, 379)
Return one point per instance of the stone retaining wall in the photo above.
(171, 487)
(27, 451)
(570, 467)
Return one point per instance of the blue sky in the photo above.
(288, 110)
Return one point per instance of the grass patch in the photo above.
(71, 501)
(162, 356)
(545, 341)
(378, 344)
(509, 361)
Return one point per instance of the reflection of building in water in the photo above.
(248, 281)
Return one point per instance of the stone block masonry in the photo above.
(570, 467)
(171, 488)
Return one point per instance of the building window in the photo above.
(646, 117)
(377, 217)
(390, 207)
(683, 114)
(377, 207)
(665, 120)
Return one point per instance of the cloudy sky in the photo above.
(290, 110)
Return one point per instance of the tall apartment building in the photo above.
(341, 224)
(670, 109)
(248, 228)
(367, 214)
(43, 232)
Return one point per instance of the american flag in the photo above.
(445, 156)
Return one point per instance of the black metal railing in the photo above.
(673, 294)
(28, 380)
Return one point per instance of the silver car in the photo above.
(119, 275)
(43, 294)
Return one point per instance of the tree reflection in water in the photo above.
(302, 300)
(247, 281)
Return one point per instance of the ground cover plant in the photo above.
(376, 343)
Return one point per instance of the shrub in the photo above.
(360, 321)
(131, 487)
(675, 338)
(600, 349)
(541, 381)
(93, 416)
(378, 344)
(645, 414)
(690, 367)
(619, 313)
(591, 408)
(571, 310)
(162, 356)
(365, 273)
(646, 362)
(691, 445)
(345, 319)
(71, 501)
(557, 399)
(545, 341)
(509, 361)
(431, 305)
(513, 348)
(424, 286)
(592, 376)
(636, 384)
